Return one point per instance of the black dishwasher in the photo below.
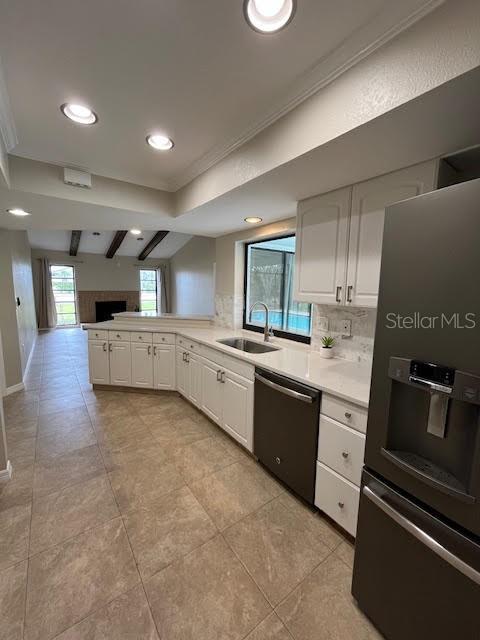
(286, 430)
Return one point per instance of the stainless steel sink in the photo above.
(250, 346)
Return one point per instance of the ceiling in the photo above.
(192, 69)
(131, 246)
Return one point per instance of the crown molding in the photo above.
(362, 43)
(8, 132)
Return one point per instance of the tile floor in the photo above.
(133, 517)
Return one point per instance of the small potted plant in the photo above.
(327, 347)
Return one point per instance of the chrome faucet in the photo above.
(267, 331)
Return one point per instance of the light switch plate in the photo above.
(346, 328)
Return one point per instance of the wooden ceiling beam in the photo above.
(157, 238)
(74, 242)
(115, 244)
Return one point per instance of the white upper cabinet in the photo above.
(120, 364)
(339, 237)
(369, 200)
(321, 247)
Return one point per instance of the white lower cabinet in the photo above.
(181, 372)
(212, 391)
(194, 376)
(98, 361)
(337, 497)
(142, 365)
(340, 456)
(164, 366)
(120, 364)
(237, 414)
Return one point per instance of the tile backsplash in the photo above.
(357, 348)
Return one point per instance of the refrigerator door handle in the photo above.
(423, 537)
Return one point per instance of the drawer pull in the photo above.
(118, 335)
(348, 414)
(163, 339)
(345, 454)
(341, 504)
(278, 460)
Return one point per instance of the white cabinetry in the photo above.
(98, 362)
(142, 365)
(369, 200)
(339, 237)
(237, 409)
(212, 392)
(340, 460)
(120, 364)
(117, 361)
(164, 366)
(321, 247)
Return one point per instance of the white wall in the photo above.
(94, 272)
(17, 324)
(192, 278)
(439, 47)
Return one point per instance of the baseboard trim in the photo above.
(140, 390)
(6, 474)
(14, 388)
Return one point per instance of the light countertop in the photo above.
(348, 380)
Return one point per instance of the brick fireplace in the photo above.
(87, 300)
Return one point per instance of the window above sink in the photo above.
(269, 273)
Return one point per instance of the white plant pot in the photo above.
(326, 352)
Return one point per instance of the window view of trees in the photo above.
(148, 290)
(63, 285)
(270, 268)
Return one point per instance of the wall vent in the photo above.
(76, 178)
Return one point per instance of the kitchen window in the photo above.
(269, 273)
(148, 290)
(64, 294)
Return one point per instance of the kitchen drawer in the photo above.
(238, 366)
(188, 345)
(141, 336)
(341, 449)
(337, 497)
(97, 334)
(346, 412)
(163, 338)
(123, 336)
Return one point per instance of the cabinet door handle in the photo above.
(219, 376)
(222, 377)
(337, 295)
(341, 504)
(154, 351)
(187, 357)
(110, 346)
(183, 357)
(149, 350)
(349, 293)
(105, 346)
(345, 454)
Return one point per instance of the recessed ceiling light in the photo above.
(160, 142)
(18, 212)
(269, 16)
(253, 220)
(135, 232)
(79, 113)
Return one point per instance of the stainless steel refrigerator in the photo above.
(417, 557)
